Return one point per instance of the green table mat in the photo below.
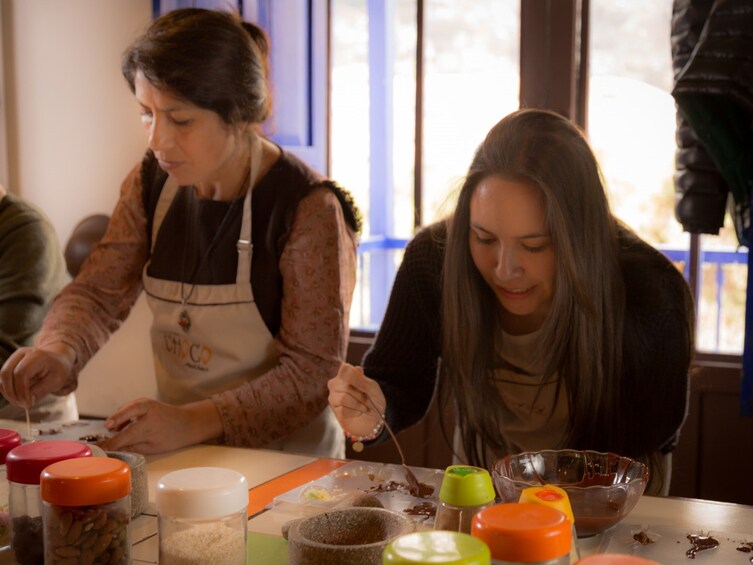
(264, 549)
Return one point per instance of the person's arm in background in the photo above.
(89, 309)
(318, 267)
(32, 272)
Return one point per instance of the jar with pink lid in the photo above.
(25, 464)
(8, 440)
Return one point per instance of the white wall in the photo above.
(73, 133)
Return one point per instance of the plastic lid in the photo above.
(436, 547)
(8, 440)
(551, 496)
(26, 462)
(201, 492)
(616, 559)
(85, 481)
(464, 485)
(523, 532)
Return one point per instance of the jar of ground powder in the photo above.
(86, 511)
(24, 465)
(202, 517)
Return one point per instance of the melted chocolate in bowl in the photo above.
(602, 487)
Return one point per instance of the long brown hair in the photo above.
(581, 339)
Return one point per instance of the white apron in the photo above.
(227, 344)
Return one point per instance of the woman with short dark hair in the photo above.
(246, 255)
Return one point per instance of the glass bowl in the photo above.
(602, 487)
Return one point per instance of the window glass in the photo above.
(631, 126)
(472, 77)
(471, 59)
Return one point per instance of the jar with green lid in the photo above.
(202, 516)
(24, 465)
(519, 533)
(86, 511)
(465, 490)
(437, 548)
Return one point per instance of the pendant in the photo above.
(184, 321)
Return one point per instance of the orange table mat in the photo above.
(261, 496)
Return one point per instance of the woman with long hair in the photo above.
(549, 323)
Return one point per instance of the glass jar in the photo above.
(202, 516)
(24, 465)
(519, 533)
(465, 490)
(8, 440)
(86, 511)
(616, 559)
(436, 548)
(557, 498)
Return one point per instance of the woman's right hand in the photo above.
(349, 401)
(32, 372)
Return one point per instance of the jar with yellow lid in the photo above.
(436, 547)
(86, 511)
(524, 533)
(557, 498)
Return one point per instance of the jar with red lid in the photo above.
(24, 465)
(86, 511)
(519, 532)
(8, 440)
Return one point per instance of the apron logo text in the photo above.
(194, 355)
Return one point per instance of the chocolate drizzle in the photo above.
(425, 508)
(700, 543)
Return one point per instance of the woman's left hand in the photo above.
(147, 426)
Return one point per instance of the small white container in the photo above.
(202, 517)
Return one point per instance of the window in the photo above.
(474, 61)
(630, 98)
(403, 169)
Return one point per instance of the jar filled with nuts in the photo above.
(24, 465)
(202, 516)
(86, 511)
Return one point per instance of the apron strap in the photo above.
(244, 245)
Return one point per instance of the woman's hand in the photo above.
(31, 373)
(348, 399)
(147, 426)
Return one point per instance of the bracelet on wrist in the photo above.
(357, 441)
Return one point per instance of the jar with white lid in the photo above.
(202, 517)
(24, 465)
(86, 511)
(8, 440)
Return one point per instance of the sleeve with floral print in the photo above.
(318, 267)
(95, 304)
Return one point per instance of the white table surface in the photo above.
(665, 516)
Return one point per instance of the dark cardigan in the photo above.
(658, 327)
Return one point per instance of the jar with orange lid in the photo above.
(24, 465)
(524, 533)
(86, 511)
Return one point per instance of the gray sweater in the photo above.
(32, 272)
